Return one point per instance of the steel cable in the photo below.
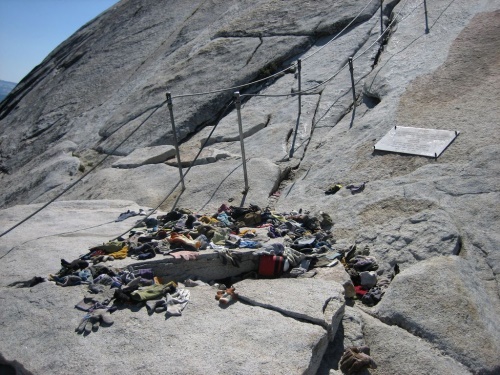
(291, 67)
(85, 175)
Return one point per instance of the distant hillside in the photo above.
(5, 88)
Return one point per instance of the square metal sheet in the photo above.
(416, 141)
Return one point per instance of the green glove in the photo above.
(155, 291)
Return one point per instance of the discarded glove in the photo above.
(28, 283)
(90, 303)
(356, 188)
(102, 258)
(153, 292)
(93, 320)
(326, 221)
(157, 306)
(185, 241)
(100, 293)
(355, 359)
(300, 270)
(333, 189)
(193, 283)
(373, 296)
(363, 263)
(77, 264)
(177, 302)
(226, 255)
(294, 257)
(226, 296)
(70, 280)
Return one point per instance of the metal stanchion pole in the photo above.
(174, 132)
(299, 68)
(351, 68)
(238, 109)
(426, 21)
(381, 17)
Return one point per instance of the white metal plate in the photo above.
(416, 141)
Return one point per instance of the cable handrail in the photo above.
(183, 175)
(291, 67)
(339, 33)
(221, 90)
(85, 175)
(346, 64)
(389, 27)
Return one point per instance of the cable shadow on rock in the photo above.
(220, 184)
(413, 41)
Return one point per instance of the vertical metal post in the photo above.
(174, 132)
(299, 68)
(426, 21)
(238, 109)
(351, 68)
(381, 17)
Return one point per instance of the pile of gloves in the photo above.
(365, 283)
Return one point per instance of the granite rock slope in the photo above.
(435, 218)
(112, 74)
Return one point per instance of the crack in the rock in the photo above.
(104, 132)
(465, 194)
(345, 111)
(316, 110)
(255, 50)
(139, 32)
(137, 11)
(172, 39)
(42, 130)
(415, 333)
(260, 35)
(286, 313)
(387, 321)
(41, 72)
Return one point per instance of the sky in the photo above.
(31, 29)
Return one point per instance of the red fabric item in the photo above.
(223, 208)
(360, 290)
(271, 265)
(97, 253)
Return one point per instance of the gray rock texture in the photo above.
(416, 301)
(99, 99)
(146, 155)
(315, 300)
